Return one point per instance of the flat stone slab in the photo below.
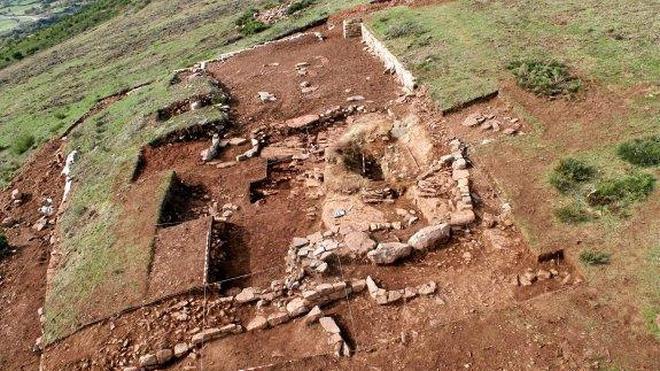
(302, 121)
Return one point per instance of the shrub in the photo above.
(299, 5)
(573, 214)
(23, 143)
(60, 115)
(249, 25)
(624, 190)
(570, 172)
(549, 78)
(642, 151)
(590, 257)
(408, 28)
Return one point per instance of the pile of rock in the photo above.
(489, 122)
(312, 253)
(335, 339)
(257, 139)
(463, 213)
(330, 116)
(166, 355)
(531, 276)
(384, 297)
(382, 195)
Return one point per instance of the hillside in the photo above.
(332, 184)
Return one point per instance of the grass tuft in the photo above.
(299, 5)
(641, 151)
(23, 143)
(548, 78)
(249, 25)
(570, 173)
(590, 257)
(405, 29)
(619, 192)
(574, 213)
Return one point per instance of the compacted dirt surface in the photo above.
(346, 161)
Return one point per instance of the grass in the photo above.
(570, 174)
(590, 257)
(407, 29)
(107, 241)
(643, 152)
(619, 192)
(132, 48)
(23, 143)
(299, 5)
(249, 25)
(548, 78)
(89, 16)
(573, 213)
(468, 44)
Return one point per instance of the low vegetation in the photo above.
(405, 29)
(619, 192)
(570, 174)
(643, 152)
(299, 5)
(66, 27)
(590, 257)
(573, 213)
(23, 143)
(548, 78)
(248, 24)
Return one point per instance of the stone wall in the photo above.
(391, 62)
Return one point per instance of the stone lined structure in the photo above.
(391, 62)
(352, 28)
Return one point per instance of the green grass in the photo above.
(548, 78)
(132, 48)
(619, 192)
(299, 5)
(643, 152)
(468, 45)
(99, 11)
(23, 143)
(249, 25)
(46, 92)
(590, 257)
(570, 174)
(573, 213)
(407, 29)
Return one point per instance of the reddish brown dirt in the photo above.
(178, 264)
(23, 282)
(479, 319)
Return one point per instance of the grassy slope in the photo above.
(463, 52)
(45, 93)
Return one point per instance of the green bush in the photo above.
(642, 151)
(408, 28)
(619, 192)
(574, 213)
(548, 78)
(23, 143)
(249, 25)
(590, 257)
(570, 173)
(299, 5)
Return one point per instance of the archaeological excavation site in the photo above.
(302, 201)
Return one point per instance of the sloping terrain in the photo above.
(294, 203)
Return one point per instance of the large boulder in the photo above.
(389, 252)
(359, 243)
(429, 237)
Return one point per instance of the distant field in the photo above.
(20, 13)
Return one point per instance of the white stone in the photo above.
(389, 252)
(429, 237)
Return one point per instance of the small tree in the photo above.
(4, 245)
